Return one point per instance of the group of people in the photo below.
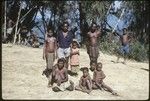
(64, 47)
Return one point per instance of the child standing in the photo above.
(74, 58)
(49, 52)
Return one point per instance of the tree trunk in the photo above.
(19, 36)
(5, 19)
(17, 24)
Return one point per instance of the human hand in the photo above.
(58, 82)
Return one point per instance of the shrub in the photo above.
(137, 52)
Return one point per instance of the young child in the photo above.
(85, 82)
(93, 65)
(74, 58)
(49, 52)
(97, 82)
(60, 77)
(124, 49)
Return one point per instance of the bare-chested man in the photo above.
(85, 82)
(124, 49)
(97, 82)
(60, 77)
(49, 52)
(92, 49)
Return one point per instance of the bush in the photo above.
(137, 52)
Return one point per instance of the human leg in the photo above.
(107, 88)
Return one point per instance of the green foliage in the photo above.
(137, 52)
(108, 47)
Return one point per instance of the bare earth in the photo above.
(22, 77)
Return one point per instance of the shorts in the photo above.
(124, 49)
(63, 85)
(63, 52)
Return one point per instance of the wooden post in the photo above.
(17, 24)
(5, 19)
(19, 35)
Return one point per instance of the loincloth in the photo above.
(50, 60)
(63, 85)
(93, 51)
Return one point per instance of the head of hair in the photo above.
(75, 43)
(65, 22)
(61, 60)
(124, 29)
(84, 68)
(99, 64)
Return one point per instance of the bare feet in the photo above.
(114, 93)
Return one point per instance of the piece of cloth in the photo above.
(64, 42)
(124, 49)
(50, 60)
(74, 59)
(9, 30)
(63, 85)
(93, 51)
(63, 52)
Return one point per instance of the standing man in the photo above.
(64, 38)
(124, 49)
(92, 48)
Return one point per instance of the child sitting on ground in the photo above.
(85, 82)
(60, 77)
(97, 82)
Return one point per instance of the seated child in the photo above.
(60, 77)
(97, 82)
(74, 58)
(85, 83)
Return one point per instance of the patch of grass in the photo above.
(137, 52)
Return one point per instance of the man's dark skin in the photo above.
(93, 36)
(65, 32)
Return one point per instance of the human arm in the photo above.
(65, 76)
(56, 49)
(94, 76)
(75, 52)
(89, 84)
(80, 83)
(98, 32)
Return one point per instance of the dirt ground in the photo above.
(22, 77)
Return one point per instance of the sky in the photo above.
(112, 20)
